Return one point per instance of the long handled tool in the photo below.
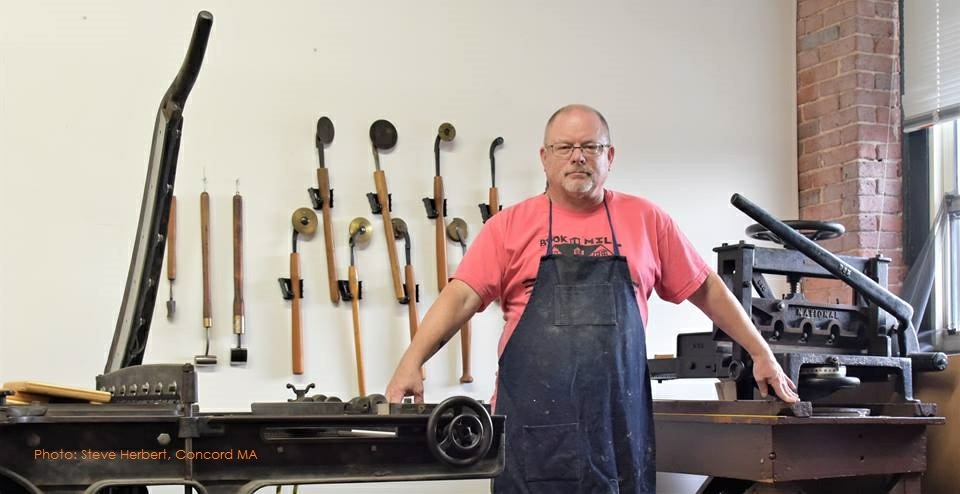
(437, 206)
(383, 135)
(206, 359)
(400, 231)
(238, 355)
(436, 210)
(457, 231)
(360, 232)
(493, 207)
(304, 222)
(172, 255)
(323, 197)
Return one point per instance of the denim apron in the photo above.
(573, 382)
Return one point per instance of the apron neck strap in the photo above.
(613, 234)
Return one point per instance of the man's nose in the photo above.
(578, 156)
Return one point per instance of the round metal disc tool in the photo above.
(383, 134)
(457, 230)
(447, 131)
(324, 131)
(304, 221)
(362, 228)
(399, 227)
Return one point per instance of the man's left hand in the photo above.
(768, 374)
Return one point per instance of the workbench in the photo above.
(767, 448)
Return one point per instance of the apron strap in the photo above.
(613, 234)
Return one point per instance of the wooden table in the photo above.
(762, 443)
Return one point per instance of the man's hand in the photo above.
(406, 381)
(768, 373)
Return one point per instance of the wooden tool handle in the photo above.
(380, 179)
(411, 284)
(465, 353)
(441, 233)
(172, 240)
(205, 255)
(412, 315)
(323, 182)
(237, 256)
(494, 201)
(355, 302)
(296, 331)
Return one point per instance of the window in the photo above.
(944, 186)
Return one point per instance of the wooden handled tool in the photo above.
(304, 222)
(172, 255)
(383, 135)
(447, 132)
(493, 206)
(296, 331)
(401, 231)
(325, 136)
(355, 305)
(457, 231)
(360, 231)
(205, 359)
(440, 236)
(238, 355)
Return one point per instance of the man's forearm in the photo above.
(719, 304)
(456, 304)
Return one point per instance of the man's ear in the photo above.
(543, 157)
(611, 151)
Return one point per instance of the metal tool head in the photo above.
(205, 360)
(360, 231)
(171, 308)
(238, 356)
(493, 162)
(324, 137)
(399, 228)
(383, 134)
(324, 131)
(400, 232)
(446, 132)
(304, 221)
(457, 230)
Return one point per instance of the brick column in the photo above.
(848, 129)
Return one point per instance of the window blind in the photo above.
(931, 62)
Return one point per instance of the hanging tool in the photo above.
(437, 210)
(304, 222)
(322, 198)
(383, 135)
(206, 359)
(410, 287)
(238, 355)
(437, 206)
(493, 207)
(457, 231)
(172, 255)
(360, 231)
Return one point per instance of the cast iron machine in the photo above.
(834, 351)
(152, 432)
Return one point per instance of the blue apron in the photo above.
(573, 382)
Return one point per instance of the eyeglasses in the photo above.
(565, 150)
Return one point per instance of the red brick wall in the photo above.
(848, 129)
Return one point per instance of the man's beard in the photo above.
(579, 186)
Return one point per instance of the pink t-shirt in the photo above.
(502, 263)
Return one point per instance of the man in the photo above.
(573, 269)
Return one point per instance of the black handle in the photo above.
(183, 83)
(870, 289)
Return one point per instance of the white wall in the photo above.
(699, 94)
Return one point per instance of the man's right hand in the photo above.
(406, 381)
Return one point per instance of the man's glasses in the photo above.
(565, 150)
